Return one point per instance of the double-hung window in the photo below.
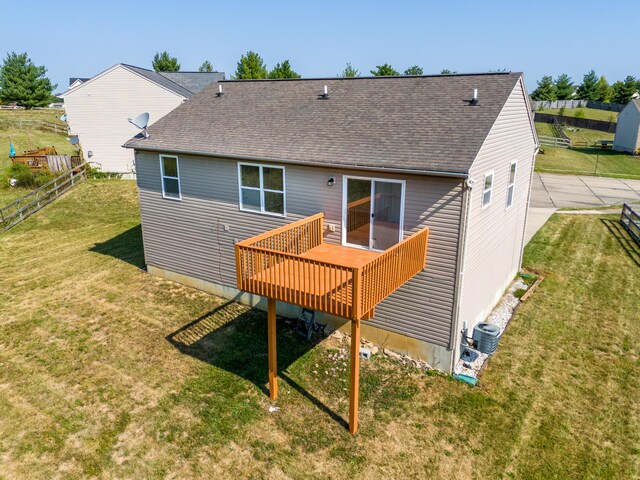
(262, 188)
(487, 189)
(512, 183)
(170, 177)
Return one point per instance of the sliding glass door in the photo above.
(372, 212)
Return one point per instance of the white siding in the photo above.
(188, 236)
(627, 137)
(494, 237)
(98, 110)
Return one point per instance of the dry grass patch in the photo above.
(109, 372)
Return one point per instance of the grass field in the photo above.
(108, 372)
(585, 161)
(592, 113)
(26, 138)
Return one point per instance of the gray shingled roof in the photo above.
(416, 123)
(193, 81)
(160, 80)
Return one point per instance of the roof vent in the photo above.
(325, 95)
(474, 99)
(219, 94)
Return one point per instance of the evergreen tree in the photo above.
(385, 70)
(163, 62)
(564, 87)
(206, 67)
(24, 83)
(349, 72)
(546, 89)
(283, 70)
(446, 71)
(414, 70)
(588, 89)
(250, 66)
(622, 91)
(604, 90)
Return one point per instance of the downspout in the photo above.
(526, 211)
(454, 337)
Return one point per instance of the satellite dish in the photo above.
(64, 117)
(141, 121)
(74, 140)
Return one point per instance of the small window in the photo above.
(262, 188)
(487, 189)
(170, 177)
(512, 183)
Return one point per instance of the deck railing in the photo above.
(271, 265)
(385, 274)
(630, 220)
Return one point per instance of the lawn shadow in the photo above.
(631, 248)
(237, 343)
(126, 246)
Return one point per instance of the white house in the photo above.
(627, 137)
(98, 108)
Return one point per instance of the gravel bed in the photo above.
(472, 361)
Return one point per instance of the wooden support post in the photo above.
(355, 376)
(273, 357)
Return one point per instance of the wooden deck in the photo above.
(294, 265)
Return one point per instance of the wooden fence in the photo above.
(554, 141)
(55, 127)
(630, 220)
(29, 204)
(602, 126)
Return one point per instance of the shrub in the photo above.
(93, 172)
(25, 178)
(579, 113)
(561, 111)
(519, 293)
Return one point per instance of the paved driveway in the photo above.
(550, 192)
(568, 191)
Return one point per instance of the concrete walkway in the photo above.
(550, 192)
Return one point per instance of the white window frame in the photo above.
(345, 178)
(261, 189)
(512, 185)
(490, 189)
(163, 176)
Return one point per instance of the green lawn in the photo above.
(109, 372)
(26, 138)
(592, 113)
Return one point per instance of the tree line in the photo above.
(593, 87)
(251, 66)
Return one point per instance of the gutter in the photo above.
(433, 173)
(462, 247)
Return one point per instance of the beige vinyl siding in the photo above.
(627, 137)
(98, 110)
(494, 237)
(189, 237)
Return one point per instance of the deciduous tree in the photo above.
(250, 66)
(349, 72)
(24, 83)
(446, 71)
(163, 62)
(414, 70)
(206, 67)
(283, 70)
(385, 70)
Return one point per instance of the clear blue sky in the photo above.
(82, 38)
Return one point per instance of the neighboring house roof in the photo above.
(184, 84)
(423, 124)
(193, 81)
(73, 80)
